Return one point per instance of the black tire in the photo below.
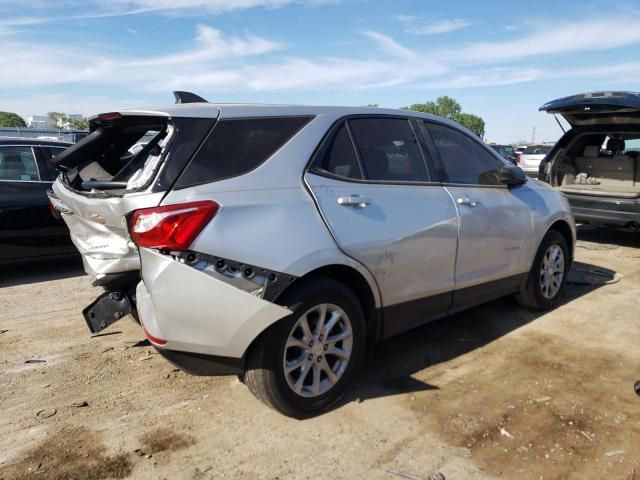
(531, 295)
(265, 375)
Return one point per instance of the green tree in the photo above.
(10, 119)
(448, 107)
(60, 120)
(80, 124)
(472, 122)
(444, 106)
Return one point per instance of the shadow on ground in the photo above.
(605, 236)
(389, 370)
(40, 271)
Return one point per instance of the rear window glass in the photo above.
(537, 150)
(235, 147)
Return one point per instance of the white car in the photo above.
(531, 157)
(279, 242)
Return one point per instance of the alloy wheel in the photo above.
(552, 271)
(318, 350)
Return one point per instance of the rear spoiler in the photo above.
(188, 97)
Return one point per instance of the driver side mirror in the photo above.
(512, 175)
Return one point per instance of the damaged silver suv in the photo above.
(279, 242)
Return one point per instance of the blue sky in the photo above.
(500, 59)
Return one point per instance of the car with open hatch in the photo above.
(279, 242)
(595, 164)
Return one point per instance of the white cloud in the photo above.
(390, 46)
(227, 63)
(48, 12)
(486, 78)
(297, 73)
(422, 26)
(212, 45)
(578, 36)
(441, 26)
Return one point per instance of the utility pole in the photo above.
(533, 135)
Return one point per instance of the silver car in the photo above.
(279, 242)
(531, 157)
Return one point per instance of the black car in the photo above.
(507, 152)
(595, 163)
(28, 230)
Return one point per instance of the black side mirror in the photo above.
(512, 175)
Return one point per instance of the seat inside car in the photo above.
(13, 167)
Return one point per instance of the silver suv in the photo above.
(279, 242)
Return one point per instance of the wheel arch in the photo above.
(361, 287)
(563, 228)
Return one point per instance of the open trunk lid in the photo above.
(102, 180)
(597, 108)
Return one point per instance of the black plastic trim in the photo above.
(276, 281)
(478, 294)
(404, 316)
(203, 365)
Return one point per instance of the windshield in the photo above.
(537, 150)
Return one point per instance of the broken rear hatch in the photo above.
(102, 181)
(597, 108)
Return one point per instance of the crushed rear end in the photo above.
(103, 179)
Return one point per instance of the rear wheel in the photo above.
(305, 362)
(547, 279)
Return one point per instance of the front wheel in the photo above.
(547, 279)
(303, 364)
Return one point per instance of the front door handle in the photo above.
(357, 201)
(467, 201)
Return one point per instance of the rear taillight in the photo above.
(155, 340)
(54, 212)
(171, 227)
(110, 117)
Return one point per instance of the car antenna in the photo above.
(556, 117)
(188, 97)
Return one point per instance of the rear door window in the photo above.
(237, 146)
(340, 158)
(462, 159)
(18, 163)
(49, 153)
(388, 150)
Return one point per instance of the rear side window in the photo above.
(388, 149)
(340, 159)
(463, 160)
(18, 163)
(235, 147)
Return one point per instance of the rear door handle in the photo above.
(467, 201)
(357, 201)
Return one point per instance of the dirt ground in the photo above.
(495, 392)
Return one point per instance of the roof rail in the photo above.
(188, 97)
